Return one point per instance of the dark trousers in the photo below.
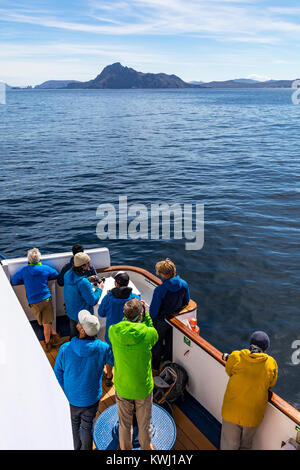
(82, 426)
(163, 349)
(73, 329)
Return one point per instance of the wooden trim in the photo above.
(211, 350)
(285, 407)
(135, 269)
(274, 399)
(188, 308)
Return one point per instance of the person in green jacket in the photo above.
(132, 340)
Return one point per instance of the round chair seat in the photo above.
(106, 430)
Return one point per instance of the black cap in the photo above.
(260, 339)
(122, 278)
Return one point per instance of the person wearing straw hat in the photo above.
(78, 291)
(79, 367)
(90, 274)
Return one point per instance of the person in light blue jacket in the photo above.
(78, 368)
(35, 277)
(111, 307)
(78, 291)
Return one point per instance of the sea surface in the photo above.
(65, 152)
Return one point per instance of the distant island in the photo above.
(116, 76)
(55, 84)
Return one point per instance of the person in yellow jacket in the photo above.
(251, 374)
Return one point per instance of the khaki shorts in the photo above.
(43, 311)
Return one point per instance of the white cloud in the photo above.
(259, 78)
(238, 20)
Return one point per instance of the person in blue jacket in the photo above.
(90, 273)
(78, 291)
(111, 307)
(35, 277)
(168, 297)
(79, 367)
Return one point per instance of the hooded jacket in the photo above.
(112, 306)
(246, 397)
(170, 296)
(60, 278)
(35, 277)
(131, 345)
(78, 368)
(79, 294)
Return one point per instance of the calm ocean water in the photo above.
(63, 153)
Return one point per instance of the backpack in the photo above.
(169, 385)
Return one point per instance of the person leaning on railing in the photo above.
(251, 374)
(169, 297)
(35, 277)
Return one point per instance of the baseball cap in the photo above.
(260, 339)
(89, 322)
(122, 278)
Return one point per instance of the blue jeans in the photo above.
(82, 426)
(73, 329)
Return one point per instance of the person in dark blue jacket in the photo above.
(169, 297)
(35, 277)
(78, 291)
(90, 273)
(79, 367)
(111, 307)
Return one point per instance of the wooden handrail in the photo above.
(188, 308)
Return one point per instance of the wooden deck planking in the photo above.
(188, 435)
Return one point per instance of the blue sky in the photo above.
(194, 39)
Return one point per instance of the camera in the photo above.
(98, 281)
(225, 356)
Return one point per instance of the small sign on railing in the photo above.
(298, 434)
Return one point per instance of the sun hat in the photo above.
(89, 322)
(80, 259)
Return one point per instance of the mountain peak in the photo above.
(117, 76)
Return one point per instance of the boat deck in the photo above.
(189, 437)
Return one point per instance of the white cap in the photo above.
(89, 322)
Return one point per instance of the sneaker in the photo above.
(56, 340)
